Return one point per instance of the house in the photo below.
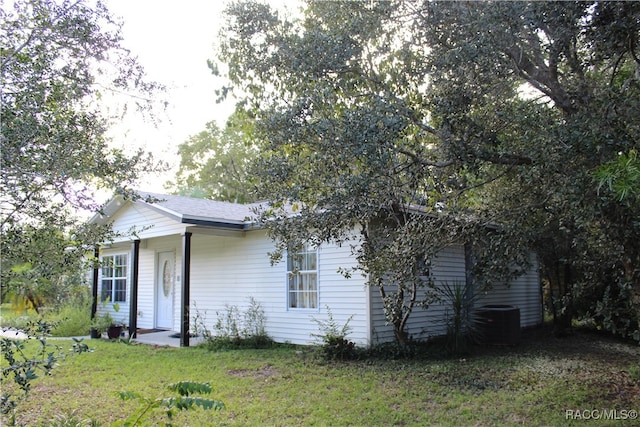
(180, 257)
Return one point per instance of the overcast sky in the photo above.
(173, 41)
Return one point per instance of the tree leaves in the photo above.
(486, 116)
(184, 402)
(57, 60)
(186, 388)
(214, 163)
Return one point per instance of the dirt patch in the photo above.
(266, 371)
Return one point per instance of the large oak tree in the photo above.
(487, 116)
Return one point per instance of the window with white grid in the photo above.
(114, 278)
(302, 279)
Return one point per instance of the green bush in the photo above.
(332, 338)
(463, 327)
(24, 360)
(73, 316)
(182, 400)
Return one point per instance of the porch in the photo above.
(163, 338)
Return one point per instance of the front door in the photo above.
(164, 290)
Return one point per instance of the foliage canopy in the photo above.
(478, 113)
(214, 163)
(59, 61)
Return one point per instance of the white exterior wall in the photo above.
(146, 222)
(158, 233)
(523, 292)
(229, 270)
(449, 267)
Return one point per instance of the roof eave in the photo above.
(214, 223)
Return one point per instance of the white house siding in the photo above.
(229, 270)
(449, 267)
(344, 297)
(523, 292)
(146, 222)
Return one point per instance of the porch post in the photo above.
(133, 301)
(186, 286)
(94, 283)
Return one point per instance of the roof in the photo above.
(188, 210)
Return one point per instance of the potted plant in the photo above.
(101, 325)
(115, 328)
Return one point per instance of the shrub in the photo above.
(74, 318)
(254, 320)
(227, 323)
(22, 363)
(183, 400)
(462, 325)
(16, 318)
(235, 329)
(332, 338)
(72, 315)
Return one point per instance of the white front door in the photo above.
(165, 279)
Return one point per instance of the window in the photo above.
(302, 278)
(114, 278)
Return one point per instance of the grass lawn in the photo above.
(532, 384)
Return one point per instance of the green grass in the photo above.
(532, 384)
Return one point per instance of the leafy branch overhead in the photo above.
(64, 71)
(59, 59)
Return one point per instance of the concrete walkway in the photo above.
(12, 333)
(160, 338)
(165, 338)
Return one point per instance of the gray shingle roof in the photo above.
(189, 208)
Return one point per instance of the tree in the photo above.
(58, 60)
(582, 59)
(485, 116)
(213, 163)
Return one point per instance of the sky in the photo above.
(172, 41)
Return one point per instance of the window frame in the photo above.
(109, 262)
(312, 296)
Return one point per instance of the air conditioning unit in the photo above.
(499, 324)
